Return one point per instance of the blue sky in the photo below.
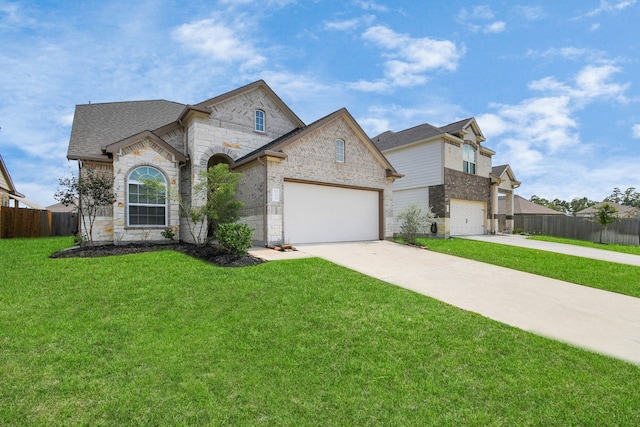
(554, 85)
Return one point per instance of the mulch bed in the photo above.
(212, 254)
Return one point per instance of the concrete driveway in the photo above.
(581, 251)
(600, 321)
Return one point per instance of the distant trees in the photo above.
(630, 197)
(570, 208)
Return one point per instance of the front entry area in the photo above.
(317, 213)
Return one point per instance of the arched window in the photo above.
(259, 121)
(468, 159)
(147, 198)
(339, 151)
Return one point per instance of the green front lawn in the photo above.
(620, 278)
(163, 339)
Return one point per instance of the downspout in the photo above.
(265, 236)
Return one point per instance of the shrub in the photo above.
(414, 222)
(234, 237)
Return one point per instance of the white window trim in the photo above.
(465, 149)
(264, 121)
(340, 150)
(128, 203)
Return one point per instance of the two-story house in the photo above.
(301, 183)
(449, 170)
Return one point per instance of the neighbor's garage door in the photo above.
(467, 217)
(320, 213)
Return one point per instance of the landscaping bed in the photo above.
(211, 253)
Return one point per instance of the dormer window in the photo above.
(259, 121)
(468, 159)
(339, 151)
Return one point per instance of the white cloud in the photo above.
(477, 12)
(540, 136)
(635, 131)
(409, 59)
(592, 82)
(221, 40)
(349, 24)
(496, 27)
(530, 13)
(475, 18)
(370, 5)
(567, 52)
(609, 7)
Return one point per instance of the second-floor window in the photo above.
(468, 159)
(259, 121)
(340, 151)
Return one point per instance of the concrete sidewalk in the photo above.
(581, 251)
(604, 322)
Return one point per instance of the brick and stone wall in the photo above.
(143, 153)
(312, 158)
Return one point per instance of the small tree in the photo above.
(89, 192)
(605, 215)
(218, 184)
(414, 221)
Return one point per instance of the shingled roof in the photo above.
(522, 206)
(98, 125)
(390, 139)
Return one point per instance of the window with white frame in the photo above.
(468, 159)
(147, 197)
(259, 121)
(339, 151)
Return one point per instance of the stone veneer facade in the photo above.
(311, 159)
(228, 131)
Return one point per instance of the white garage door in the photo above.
(320, 213)
(467, 217)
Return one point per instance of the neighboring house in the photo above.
(623, 210)
(448, 169)
(301, 183)
(59, 207)
(522, 206)
(8, 192)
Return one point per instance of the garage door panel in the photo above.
(321, 213)
(467, 217)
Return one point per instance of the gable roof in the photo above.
(98, 125)
(389, 139)
(6, 181)
(116, 146)
(259, 84)
(499, 171)
(424, 132)
(522, 206)
(458, 128)
(275, 147)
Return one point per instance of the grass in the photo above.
(163, 339)
(633, 250)
(620, 278)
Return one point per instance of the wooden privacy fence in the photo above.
(22, 222)
(623, 232)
